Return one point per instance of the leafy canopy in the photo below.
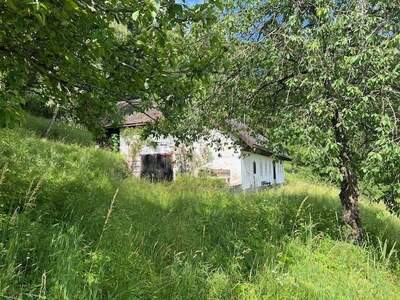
(294, 65)
(85, 55)
(320, 77)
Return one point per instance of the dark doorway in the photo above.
(110, 140)
(157, 167)
(274, 169)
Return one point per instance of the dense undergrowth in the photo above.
(74, 226)
(60, 131)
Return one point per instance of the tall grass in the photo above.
(60, 131)
(65, 233)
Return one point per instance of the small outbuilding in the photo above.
(239, 158)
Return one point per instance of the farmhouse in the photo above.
(238, 158)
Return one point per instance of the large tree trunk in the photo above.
(349, 195)
(349, 192)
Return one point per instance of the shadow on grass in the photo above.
(172, 240)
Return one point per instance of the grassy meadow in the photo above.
(74, 225)
(60, 131)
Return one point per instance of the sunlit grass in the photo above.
(66, 233)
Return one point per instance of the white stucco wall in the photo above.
(123, 143)
(264, 170)
(127, 142)
(161, 145)
(224, 156)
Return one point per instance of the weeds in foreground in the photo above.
(186, 240)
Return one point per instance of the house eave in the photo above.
(126, 125)
(258, 149)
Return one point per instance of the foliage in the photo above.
(322, 76)
(86, 55)
(382, 177)
(187, 239)
(61, 131)
(134, 140)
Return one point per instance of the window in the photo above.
(254, 167)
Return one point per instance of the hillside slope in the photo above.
(74, 226)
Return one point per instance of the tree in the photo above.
(84, 56)
(321, 75)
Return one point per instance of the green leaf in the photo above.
(71, 5)
(135, 15)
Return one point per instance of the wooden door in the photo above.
(157, 167)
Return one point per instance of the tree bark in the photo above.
(349, 195)
(349, 192)
(53, 120)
